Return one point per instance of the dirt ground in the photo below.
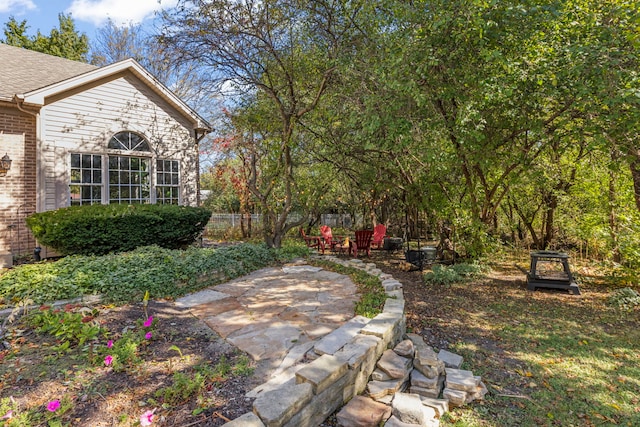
(101, 396)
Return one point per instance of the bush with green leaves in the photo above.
(101, 229)
(448, 275)
(68, 326)
(125, 277)
(624, 299)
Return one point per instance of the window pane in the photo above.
(128, 141)
(114, 193)
(124, 163)
(75, 160)
(75, 175)
(86, 176)
(97, 162)
(124, 178)
(135, 164)
(174, 166)
(86, 161)
(174, 179)
(75, 191)
(124, 192)
(97, 176)
(113, 162)
(96, 193)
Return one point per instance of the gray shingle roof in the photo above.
(23, 70)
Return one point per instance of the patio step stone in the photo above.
(405, 382)
(338, 338)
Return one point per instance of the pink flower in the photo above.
(108, 360)
(109, 343)
(53, 405)
(147, 418)
(7, 416)
(148, 322)
(148, 335)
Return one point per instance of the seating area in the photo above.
(361, 242)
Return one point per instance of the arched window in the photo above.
(130, 141)
(132, 175)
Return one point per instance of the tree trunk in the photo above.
(613, 220)
(634, 165)
(548, 233)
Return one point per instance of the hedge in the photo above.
(102, 229)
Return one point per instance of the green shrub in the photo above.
(101, 229)
(624, 298)
(447, 275)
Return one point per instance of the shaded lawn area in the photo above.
(547, 357)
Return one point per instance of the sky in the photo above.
(88, 15)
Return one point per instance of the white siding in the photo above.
(83, 122)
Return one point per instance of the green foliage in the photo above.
(372, 295)
(17, 418)
(183, 388)
(125, 351)
(624, 299)
(64, 41)
(243, 367)
(448, 275)
(100, 229)
(67, 326)
(125, 277)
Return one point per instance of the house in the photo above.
(78, 134)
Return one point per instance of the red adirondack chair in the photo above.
(329, 240)
(312, 241)
(379, 233)
(362, 242)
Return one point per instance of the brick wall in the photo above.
(18, 187)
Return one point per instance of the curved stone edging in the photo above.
(332, 379)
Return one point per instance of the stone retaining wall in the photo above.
(321, 387)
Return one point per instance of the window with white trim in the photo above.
(86, 179)
(167, 188)
(124, 175)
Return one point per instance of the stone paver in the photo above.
(273, 311)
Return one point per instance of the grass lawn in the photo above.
(547, 357)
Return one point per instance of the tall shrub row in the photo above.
(102, 229)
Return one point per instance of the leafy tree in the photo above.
(64, 41)
(281, 55)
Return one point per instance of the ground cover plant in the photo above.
(119, 278)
